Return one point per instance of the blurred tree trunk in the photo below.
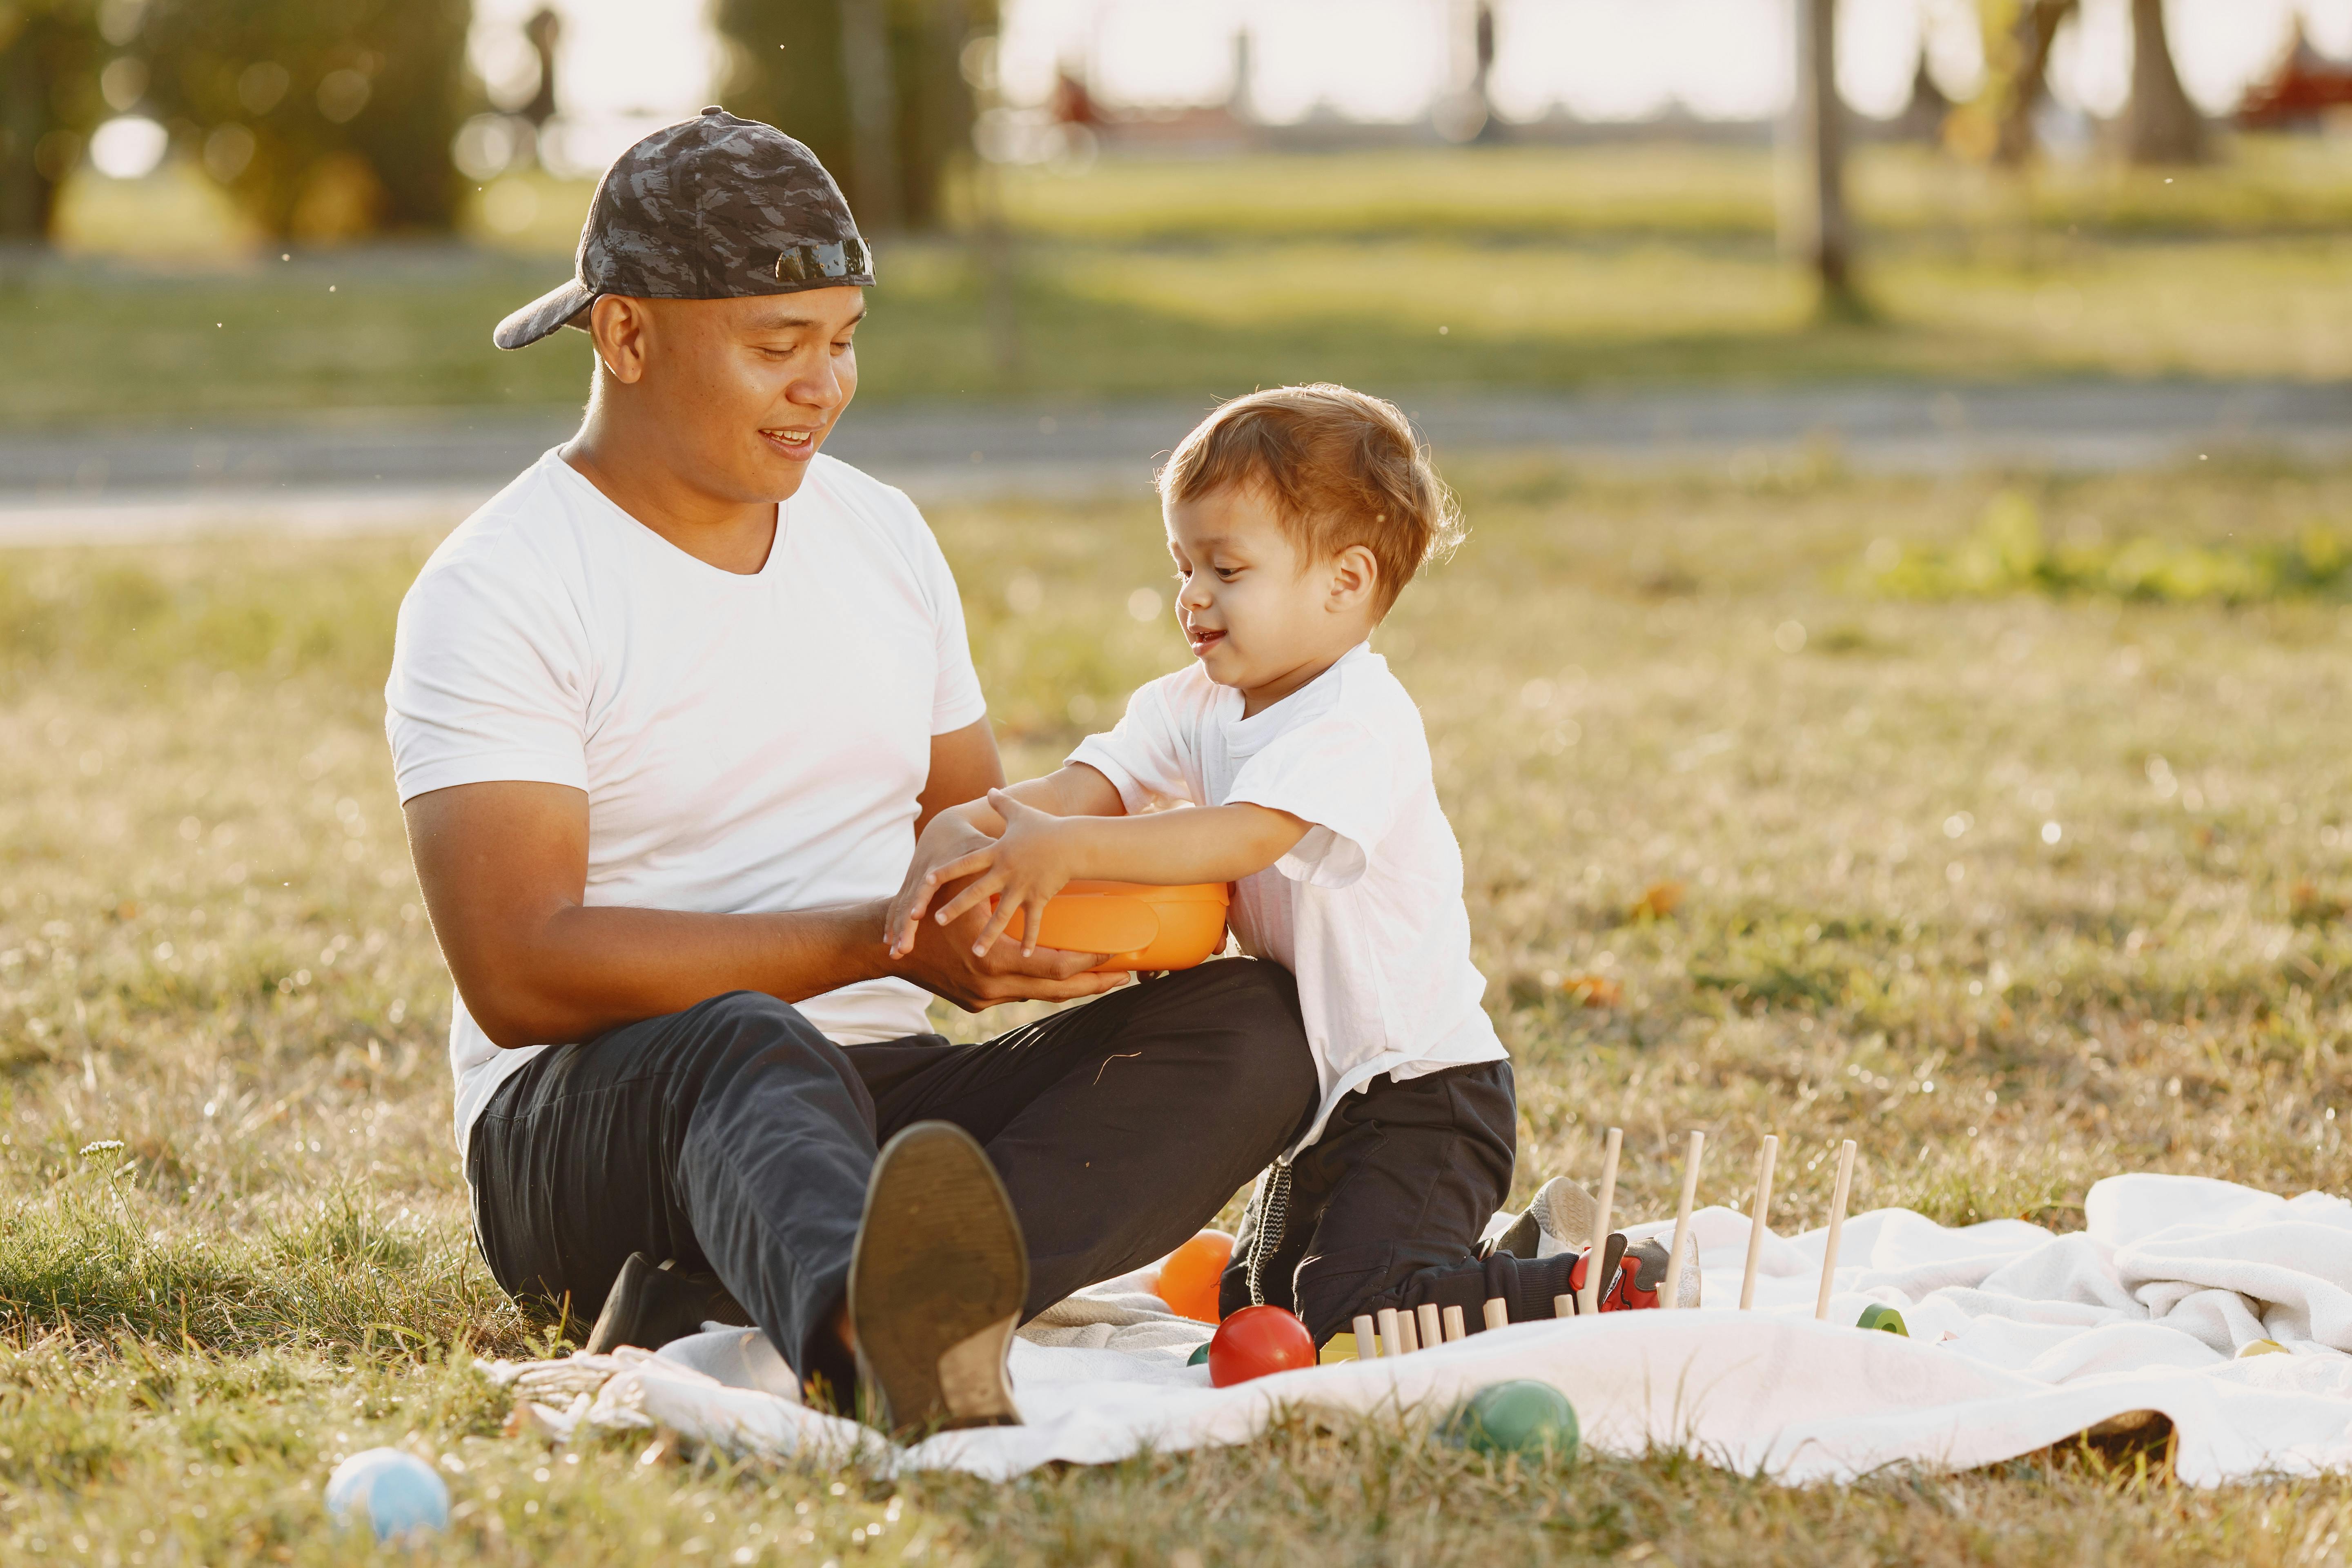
(1827, 235)
(2036, 30)
(49, 102)
(874, 87)
(2160, 125)
(877, 191)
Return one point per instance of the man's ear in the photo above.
(620, 326)
(1355, 578)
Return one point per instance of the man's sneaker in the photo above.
(936, 1283)
(1557, 1219)
(651, 1304)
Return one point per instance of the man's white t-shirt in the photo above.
(1367, 908)
(748, 743)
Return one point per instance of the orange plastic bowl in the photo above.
(1140, 926)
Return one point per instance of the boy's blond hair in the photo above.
(1339, 466)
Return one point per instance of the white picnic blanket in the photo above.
(2019, 1339)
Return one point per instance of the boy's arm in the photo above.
(1038, 854)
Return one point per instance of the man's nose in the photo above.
(819, 387)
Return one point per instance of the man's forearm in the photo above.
(588, 968)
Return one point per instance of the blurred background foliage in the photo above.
(325, 118)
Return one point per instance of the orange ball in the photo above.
(1189, 1276)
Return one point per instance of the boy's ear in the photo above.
(1355, 577)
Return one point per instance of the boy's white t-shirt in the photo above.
(1366, 910)
(748, 743)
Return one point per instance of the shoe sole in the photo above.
(1563, 1214)
(937, 1282)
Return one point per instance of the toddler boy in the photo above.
(1295, 516)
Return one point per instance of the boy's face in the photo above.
(1258, 614)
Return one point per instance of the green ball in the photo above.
(1201, 1357)
(1885, 1320)
(1521, 1417)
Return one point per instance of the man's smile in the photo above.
(794, 441)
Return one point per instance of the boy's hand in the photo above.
(951, 836)
(1034, 858)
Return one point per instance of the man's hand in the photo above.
(943, 961)
(1033, 858)
(948, 836)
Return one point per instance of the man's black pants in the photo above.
(737, 1139)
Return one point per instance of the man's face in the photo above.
(748, 389)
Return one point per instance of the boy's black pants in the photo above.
(1385, 1208)
(737, 1139)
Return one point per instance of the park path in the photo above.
(370, 470)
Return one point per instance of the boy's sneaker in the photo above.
(1559, 1219)
(937, 1282)
(1643, 1276)
(651, 1304)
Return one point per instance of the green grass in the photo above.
(1527, 267)
(233, 1238)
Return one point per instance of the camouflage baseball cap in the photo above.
(710, 208)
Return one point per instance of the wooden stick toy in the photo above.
(1673, 1295)
(1431, 1326)
(1756, 1216)
(1392, 1338)
(1594, 1283)
(1455, 1328)
(1496, 1312)
(1368, 1344)
(1408, 1332)
(1563, 1306)
(1837, 1224)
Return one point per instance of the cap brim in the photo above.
(546, 314)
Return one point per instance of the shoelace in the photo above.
(1273, 1219)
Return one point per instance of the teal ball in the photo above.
(1201, 1357)
(1521, 1417)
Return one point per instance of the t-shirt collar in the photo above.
(1244, 735)
(581, 485)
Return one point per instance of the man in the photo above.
(668, 715)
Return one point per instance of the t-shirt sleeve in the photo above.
(1144, 754)
(956, 697)
(1339, 777)
(489, 681)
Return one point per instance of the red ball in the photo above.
(1257, 1341)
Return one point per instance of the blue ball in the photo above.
(393, 1490)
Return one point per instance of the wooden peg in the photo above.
(1598, 1257)
(1496, 1312)
(1408, 1331)
(1563, 1306)
(1756, 1214)
(1392, 1336)
(1672, 1296)
(1368, 1344)
(1455, 1328)
(1431, 1325)
(1844, 1190)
